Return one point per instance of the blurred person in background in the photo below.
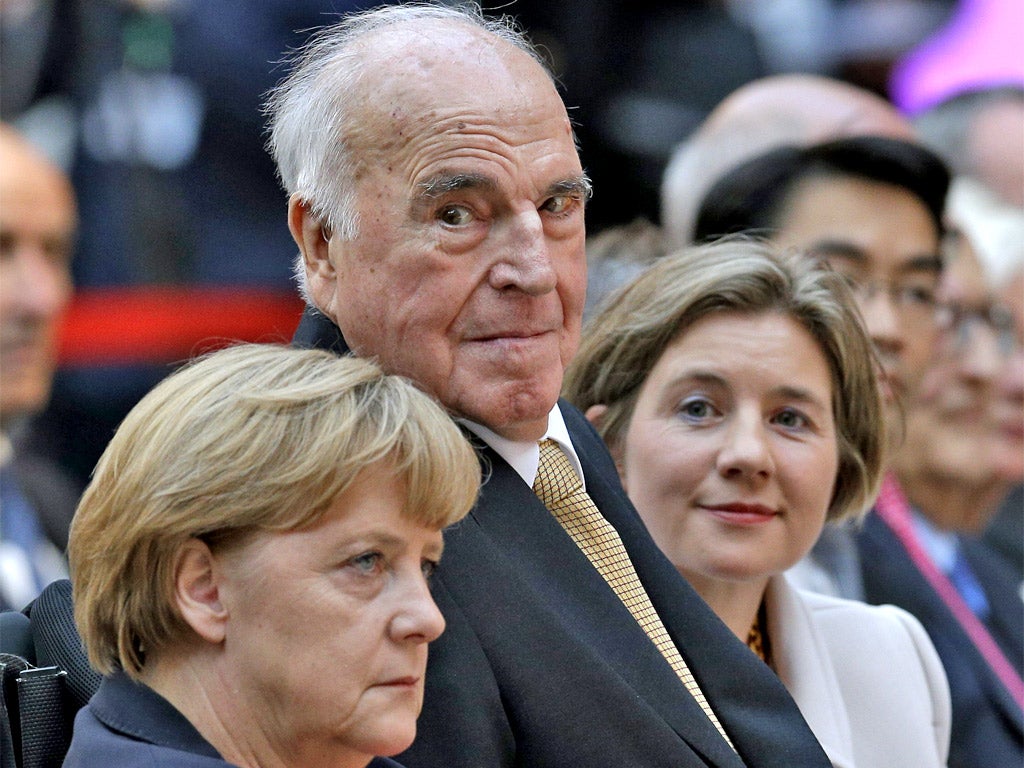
(920, 549)
(251, 565)
(979, 130)
(736, 390)
(37, 233)
(791, 109)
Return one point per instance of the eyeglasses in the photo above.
(914, 302)
(962, 321)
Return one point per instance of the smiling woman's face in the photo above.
(325, 643)
(731, 454)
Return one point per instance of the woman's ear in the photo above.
(595, 415)
(197, 591)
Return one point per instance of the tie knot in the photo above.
(556, 478)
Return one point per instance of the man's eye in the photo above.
(455, 215)
(915, 295)
(559, 203)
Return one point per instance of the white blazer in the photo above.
(866, 678)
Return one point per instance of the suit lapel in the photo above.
(560, 575)
(894, 578)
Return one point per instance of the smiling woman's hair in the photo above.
(628, 336)
(250, 439)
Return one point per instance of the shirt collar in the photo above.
(524, 457)
(940, 545)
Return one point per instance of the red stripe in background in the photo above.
(139, 325)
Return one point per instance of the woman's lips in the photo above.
(741, 513)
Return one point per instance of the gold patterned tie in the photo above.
(560, 488)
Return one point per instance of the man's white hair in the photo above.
(309, 119)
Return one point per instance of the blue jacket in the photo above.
(127, 725)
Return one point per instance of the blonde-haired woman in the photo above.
(250, 564)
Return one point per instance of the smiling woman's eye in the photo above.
(696, 409)
(455, 215)
(791, 419)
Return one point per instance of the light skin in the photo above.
(37, 226)
(876, 234)
(1009, 406)
(730, 456)
(324, 669)
(945, 464)
(468, 272)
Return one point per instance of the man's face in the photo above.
(882, 238)
(950, 424)
(468, 272)
(37, 221)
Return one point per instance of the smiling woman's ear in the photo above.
(595, 415)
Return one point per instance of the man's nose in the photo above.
(978, 354)
(882, 321)
(38, 286)
(525, 263)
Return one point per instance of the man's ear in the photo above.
(197, 591)
(595, 415)
(312, 236)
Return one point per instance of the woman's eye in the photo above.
(455, 215)
(791, 419)
(368, 562)
(428, 567)
(696, 409)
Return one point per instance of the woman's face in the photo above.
(327, 630)
(731, 453)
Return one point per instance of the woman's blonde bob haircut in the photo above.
(249, 439)
(631, 331)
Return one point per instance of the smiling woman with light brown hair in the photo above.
(251, 561)
(735, 387)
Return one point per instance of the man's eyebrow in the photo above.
(925, 262)
(575, 185)
(441, 184)
(824, 249)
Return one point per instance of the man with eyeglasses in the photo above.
(920, 551)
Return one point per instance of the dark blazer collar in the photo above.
(138, 711)
(317, 331)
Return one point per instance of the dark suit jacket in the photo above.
(541, 665)
(127, 725)
(49, 489)
(988, 726)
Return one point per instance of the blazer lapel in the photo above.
(800, 659)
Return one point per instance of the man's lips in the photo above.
(741, 513)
